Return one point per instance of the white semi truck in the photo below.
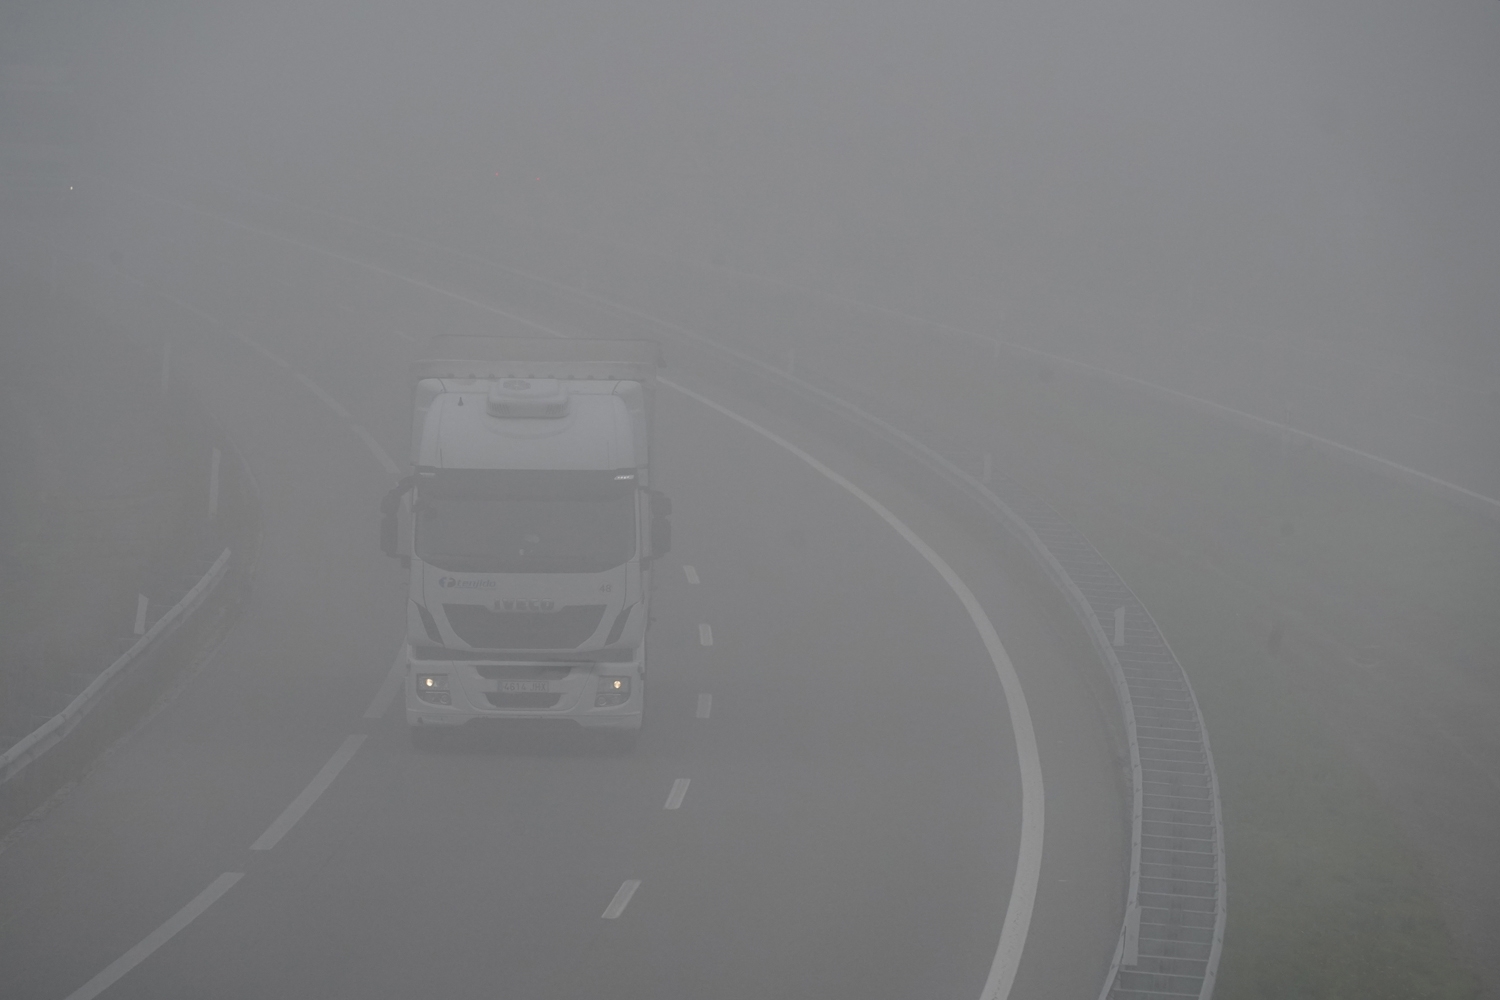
(529, 525)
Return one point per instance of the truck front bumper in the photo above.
(451, 693)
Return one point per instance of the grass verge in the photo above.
(1266, 567)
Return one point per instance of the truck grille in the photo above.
(522, 671)
(519, 700)
(565, 628)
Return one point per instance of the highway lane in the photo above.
(1077, 902)
(1405, 691)
(356, 266)
(816, 825)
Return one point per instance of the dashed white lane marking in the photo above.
(622, 899)
(1028, 757)
(135, 956)
(386, 693)
(1119, 626)
(705, 705)
(140, 614)
(302, 803)
(705, 635)
(692, 574)
(678, 793)
(1028, 864)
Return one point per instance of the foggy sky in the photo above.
(1325, 169)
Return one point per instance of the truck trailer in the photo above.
(529, 525)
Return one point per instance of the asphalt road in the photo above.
(852, 811)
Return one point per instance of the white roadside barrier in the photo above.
(54, 730)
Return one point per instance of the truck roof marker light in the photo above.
(625, 475)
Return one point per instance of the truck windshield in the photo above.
(524, 521)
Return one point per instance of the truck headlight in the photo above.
(611, 691)
(433, 688)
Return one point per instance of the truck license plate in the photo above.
(524, 687)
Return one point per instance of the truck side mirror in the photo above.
(661, 537)
(390, 506)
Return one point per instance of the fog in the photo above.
(1202, 297)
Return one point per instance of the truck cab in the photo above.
(529, 527)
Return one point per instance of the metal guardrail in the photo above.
(1173, 931)
(1175, 908)
(55, 729)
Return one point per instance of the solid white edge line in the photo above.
(303, 802)
(705, 635)
(678, 793)
(386, 693)
(1028, 867)
(705, 705)
(135, 956)
(1029, 857)
(692, 574)
(622, 899)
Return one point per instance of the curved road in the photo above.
(826, 801)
